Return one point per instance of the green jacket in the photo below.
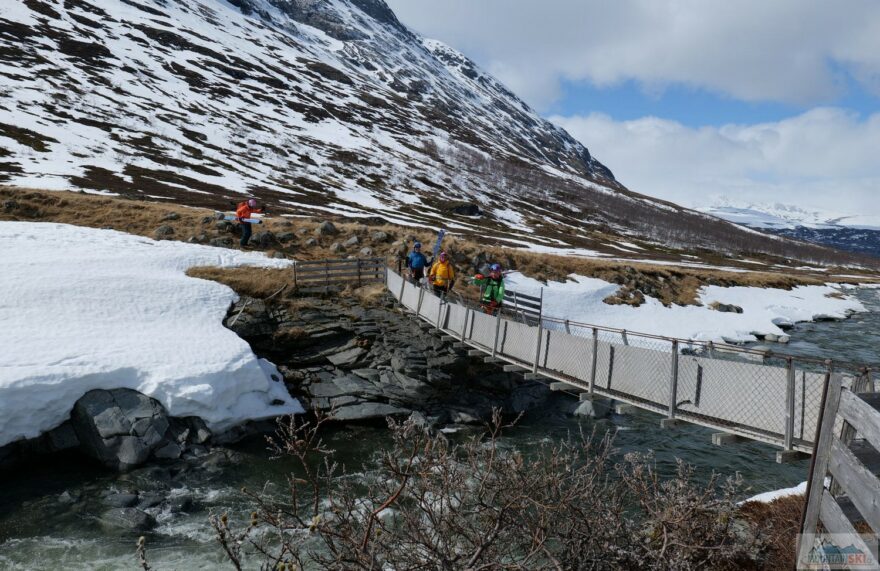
(493, 290)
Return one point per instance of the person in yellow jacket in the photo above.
(442, 276)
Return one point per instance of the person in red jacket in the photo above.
(243, 212)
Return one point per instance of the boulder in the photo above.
(379, 236)
(337, 248)
(264, 239)
(366, 252)
(171, 216)
(326, 228)
(163, 231)
(123, 428)
(121, 500)
(285, 237)
(224, 226)
(224, 242)
(126, 519)
(207, 219)
(311, 242)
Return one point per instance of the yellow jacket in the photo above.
(441, 273)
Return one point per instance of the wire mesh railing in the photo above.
(757, 394)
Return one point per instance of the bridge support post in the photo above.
(440, 312)
(788, 429)
(402, 287)
(595, 360)
(538, 342)
(464, 326)
(673, 386)
(419, 305)
(497, 331)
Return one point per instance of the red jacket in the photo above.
(245, 211)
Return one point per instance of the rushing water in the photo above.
(49, 513)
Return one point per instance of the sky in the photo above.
(694, 101)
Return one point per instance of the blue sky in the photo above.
(695, 101)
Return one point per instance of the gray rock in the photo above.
(120, 427)
(348, 358)
(224, 226)
(337, 248)
(180, 503)
(63, 437)
(122, 500)
(169, 451)
(264, 239)
(311, 242)
(771, 338)
(353, 241)
(150, 500)
(171, 216)
(279, 256)
(285, 237)
(371, 375)
(126, 519)
(366, 252)
(163, 230)
(326, 228)
(369, 411)
(379, 236)
(725, 307)
(593, 409)
(207, 219)
(303, 231)
(224, 242)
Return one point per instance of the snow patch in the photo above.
(91, 309)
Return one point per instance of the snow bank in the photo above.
(767, 497)
(763, 308)
(86, 309)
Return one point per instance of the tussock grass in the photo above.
(777, 523)
(254, 282)
(669, 284)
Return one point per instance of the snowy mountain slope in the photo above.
(316, 107)
(854, 233)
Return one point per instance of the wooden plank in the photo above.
(867, 455)
(861, 486)
(335, 276)
(821, 454)
(836, 522)
(859, 412)
(338, 261)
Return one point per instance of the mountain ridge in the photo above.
(317, 107)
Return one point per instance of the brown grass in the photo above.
(777, 523)
(669, 284)
(254, 282)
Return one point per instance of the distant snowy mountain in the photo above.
(316, 107)
(854, 233)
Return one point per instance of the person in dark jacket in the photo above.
(416, 262)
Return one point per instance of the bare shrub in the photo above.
(427, 503)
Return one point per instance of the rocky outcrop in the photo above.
(122, 429)
(364, 364)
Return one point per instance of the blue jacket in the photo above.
(416, 260)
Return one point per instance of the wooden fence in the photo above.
(327, 274)
(847, 452)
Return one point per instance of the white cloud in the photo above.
(800, 51)
(824, 159)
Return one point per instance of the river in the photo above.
(48, 513)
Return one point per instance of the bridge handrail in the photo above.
(697, 381)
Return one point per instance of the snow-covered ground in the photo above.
(768, 497)
(85, 309)
(763, 308)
